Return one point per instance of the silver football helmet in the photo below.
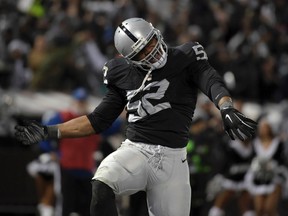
(132, 35)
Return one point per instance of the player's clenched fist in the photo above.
(30, 132)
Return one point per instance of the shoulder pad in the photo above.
(114, 70)
(193, 50)
(118, 72)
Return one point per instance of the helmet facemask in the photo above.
(156, 58)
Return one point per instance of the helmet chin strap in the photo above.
(143, 82)
(155, 65)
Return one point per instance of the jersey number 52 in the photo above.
(143, 107)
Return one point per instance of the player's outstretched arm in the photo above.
(30, 132)
(235, 123)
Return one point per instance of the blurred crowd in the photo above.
(59, 45)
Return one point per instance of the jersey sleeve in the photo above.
(120, 73)
(108, 110)
(203, 75)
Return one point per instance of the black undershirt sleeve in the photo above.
(218, 90)
(209, 81)
(107, 111)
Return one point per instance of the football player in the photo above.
(158, 87)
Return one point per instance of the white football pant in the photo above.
(160, 171)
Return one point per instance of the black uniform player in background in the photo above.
(158, 87)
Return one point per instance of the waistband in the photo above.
(156, 148)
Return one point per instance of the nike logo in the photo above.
(227, 116)
(218, 96)
(183, 160)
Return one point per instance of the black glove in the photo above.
(30, 132)
(237, 125)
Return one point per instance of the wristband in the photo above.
(226, 104)
(53, 132)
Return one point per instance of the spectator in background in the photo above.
(46, 174)
(20, 74)
(59, 70)
(268, 170)
(228, 183)
(37, 57)
(90, 59)
(252, 30)
(205, 141)
(76, 160)
(238, 156)
(45, 171)
(268, 81)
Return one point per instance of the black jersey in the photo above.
(161, 113)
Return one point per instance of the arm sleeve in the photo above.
(107, 111)
(209, 81)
